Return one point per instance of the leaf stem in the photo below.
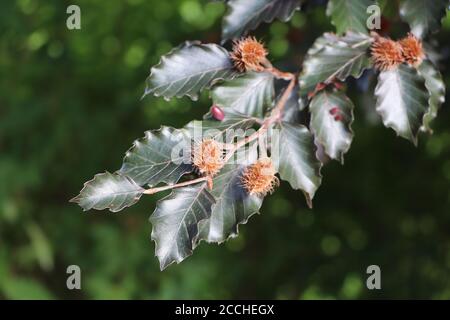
(280, 74)
(178, 185)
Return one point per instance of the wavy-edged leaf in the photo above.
(175, 222)
(234, 205)
(293, 153)
(108, 191)
(436, 88)
(331, 119)
(333, 57)
(349, 14)
(423, 16)
(245, 15)
(294, 106)
(160, 156)
(402, 100)
(325, 39)
(248, 94)
(188, 69)
(234, 124)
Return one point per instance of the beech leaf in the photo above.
(188, 69)
(245, 15)
(295, 159)
(234, 124)
(175, 222)
(436, 88)
(331, 118)
(158, 157)
(423, 16)
(234, 205)
(349, 14)
(108, 191)
(293, 107)
(249, 94)
(333, 57)
(402, 100)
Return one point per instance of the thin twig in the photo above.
(280, 74)
(181, 184)
(246, 140)
(277, 112)
(274, 116)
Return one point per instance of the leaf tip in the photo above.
(308, 200)
(75, 199)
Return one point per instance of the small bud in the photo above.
(338, 85)
(217, 113)
(334, 111)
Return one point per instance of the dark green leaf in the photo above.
(233, 124)
(331, 118)
(108, 191)
(333, 57)
(175, 222)
(293, 107)
(248, 94)
(436, 88)
(423, 16)
(234, 205)
(293, 153)
(349, 14)
(245, 15)
(402, 100)
(188, 69)
(158, 157)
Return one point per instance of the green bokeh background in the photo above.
(70, 107)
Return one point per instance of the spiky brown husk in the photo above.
(412, 50)
(386, 54)
(259, 178)
(248, 54)
(208, 157)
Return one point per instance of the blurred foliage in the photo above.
(70, 106)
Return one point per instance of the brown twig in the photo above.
(277, 112)
(280, 74)
(275, 115)
(178, 185)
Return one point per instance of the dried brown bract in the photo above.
(208, 157)
(386, 54)
(259, 178)
(248, 54)
(412, 50)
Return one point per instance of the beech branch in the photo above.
(178, 185)
(274, 116)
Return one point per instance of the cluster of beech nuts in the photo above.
(388, 54)
(250, 55)
(258, 179)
